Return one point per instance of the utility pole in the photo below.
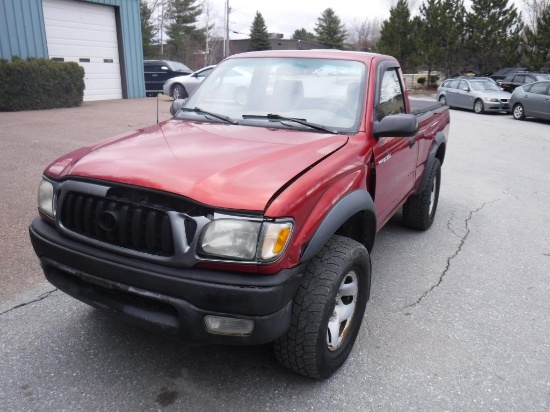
(206, 51)
(226, 40)
(162, 29)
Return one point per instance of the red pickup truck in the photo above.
(250, 215)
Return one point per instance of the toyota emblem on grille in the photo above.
(108, 221)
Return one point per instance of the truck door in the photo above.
(394, 157)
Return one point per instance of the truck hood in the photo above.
(226, 166)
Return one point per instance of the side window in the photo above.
(538, 88)
(204, 73)
(519, 79)
(463, 85)
(153, 68)
(391, 95)
(454, 84)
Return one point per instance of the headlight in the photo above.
(246, 240)
(45, 198)
(491, 99)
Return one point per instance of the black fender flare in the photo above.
(345, 208)
(439, 139)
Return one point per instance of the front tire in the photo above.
(478, 107)
(328, 310)
(179, 92)
(518, 112)
(443, 100)
(419, 210)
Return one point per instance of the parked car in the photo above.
(156, 72)
(519, 79)
(531, 100)
(182, 86)
(503, 73)
(475, 94)
(231, 87)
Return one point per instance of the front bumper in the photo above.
(496, 106)
(168, 299)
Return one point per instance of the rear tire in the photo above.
(443, 100)
(328, 310)
(518, 112)
(419, 210)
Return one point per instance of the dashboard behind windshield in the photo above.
(327, 92)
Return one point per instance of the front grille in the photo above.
(119, 223)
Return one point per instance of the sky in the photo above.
(285, 16)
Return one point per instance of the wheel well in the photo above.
(360, 227)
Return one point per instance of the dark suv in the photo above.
(158, 71)
(520, 78)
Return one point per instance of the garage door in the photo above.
(86, 33)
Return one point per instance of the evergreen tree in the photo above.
(185, 37)
(259, 38)
(440, 34)
(397, 36)
(493, 35)
(430, 32)
(303, 34)
(330, 30)
(453, 37)
(537, 43)
(147, 29)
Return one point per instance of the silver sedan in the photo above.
(531, 100)
(477, 95)
(182, 86)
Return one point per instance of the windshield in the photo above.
(179, 67)
(322, 92)
(484, 85)
(542, 77)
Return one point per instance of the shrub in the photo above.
(35, 84)
(421, 81)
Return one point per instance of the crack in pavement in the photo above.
(457, 252)
(450, 228)
(38, 299)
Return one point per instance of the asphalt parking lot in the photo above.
(459, 316)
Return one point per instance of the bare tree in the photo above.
(533, 10)
(363, 35)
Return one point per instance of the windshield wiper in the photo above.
(198, 110)
(279, 118)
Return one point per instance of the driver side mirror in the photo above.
(176, 106)
(164, 68)
(396, 125)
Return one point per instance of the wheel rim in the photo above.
(339, 323)
(176, 93)
(518, 112)
(478, 107)
(443, 100)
